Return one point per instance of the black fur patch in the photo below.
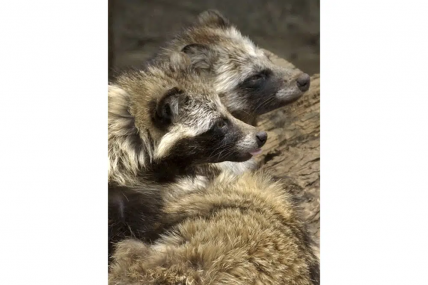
(216, 145)
(314, 273)
(259, 91)
(132, 215)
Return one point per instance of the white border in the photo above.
(374, 142)
(53, 115)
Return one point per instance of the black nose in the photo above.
(261, 138)
(303, 82)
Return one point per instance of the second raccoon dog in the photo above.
(166, 119)
(249, 83)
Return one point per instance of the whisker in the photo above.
(264, 103)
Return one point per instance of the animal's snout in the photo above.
(303, 82)
(261, 138)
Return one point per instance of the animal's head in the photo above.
(168, 115)
(248, 82)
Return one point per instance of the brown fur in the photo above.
(236, 231)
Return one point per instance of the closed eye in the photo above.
(221, 124)
(258, 78)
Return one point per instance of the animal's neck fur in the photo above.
(171, 171)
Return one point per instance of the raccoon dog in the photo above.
(235, 231)
(166, 125)
(248, 82)
(165, 120)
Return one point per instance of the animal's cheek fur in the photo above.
(190, 151)
(266, 94)
(211, 147)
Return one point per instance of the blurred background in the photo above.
(289, 28)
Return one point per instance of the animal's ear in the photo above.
(213, 18)
(167, 107)
(201, 56)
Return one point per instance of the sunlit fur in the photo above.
(235, 231)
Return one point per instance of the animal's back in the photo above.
(238, 231)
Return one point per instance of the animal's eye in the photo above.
(221, 123)
(256, 77)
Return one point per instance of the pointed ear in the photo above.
(213, 18)
(201, 56)
(167, 107)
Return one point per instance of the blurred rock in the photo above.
(289, 28)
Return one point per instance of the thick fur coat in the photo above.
(236, 231)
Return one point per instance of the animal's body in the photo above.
(235, 231)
